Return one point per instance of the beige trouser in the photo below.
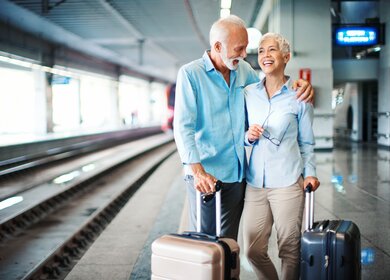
(262, 208)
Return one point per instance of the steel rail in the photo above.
(51, 155)
(62, 257)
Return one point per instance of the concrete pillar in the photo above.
(150, 102)
(40, 123)
(49, 102)
(384, 80)
(48, 58)
(116, 119)
(307, 26)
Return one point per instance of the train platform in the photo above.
(84, 83)
(355, 185)
(28, 138)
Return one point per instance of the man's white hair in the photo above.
(284, 45)
(220, 29)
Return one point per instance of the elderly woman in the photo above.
(281, 163)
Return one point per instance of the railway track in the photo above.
(21, 157)
(44, 234)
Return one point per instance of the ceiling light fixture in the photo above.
(225, 8)
(56, 69)
(224, 13)
(363, 53)
(226, 4)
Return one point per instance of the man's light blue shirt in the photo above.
(209, 117)
(289, 122)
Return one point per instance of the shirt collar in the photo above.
(285, 88)
(207, 61)
(209, 64)
(287, 85)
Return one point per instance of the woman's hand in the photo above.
(313, 181)
(304, 90)
(254, 132)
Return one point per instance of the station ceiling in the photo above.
(150, 36)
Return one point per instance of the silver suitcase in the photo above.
(194, 255)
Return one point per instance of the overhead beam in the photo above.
(195, 25)
(41, 27)
(138, 35)
(125, 23)
(134, 41)
(264, 13)
(46, 6)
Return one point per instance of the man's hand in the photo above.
(254, 132)
(304, 90)
(203, 181)
(313, 181)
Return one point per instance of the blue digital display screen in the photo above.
(60, 80)
(357, 36)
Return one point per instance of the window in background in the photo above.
(66, 103)
(96, 102)
(17, 101)
(158, 102)
(134, 105)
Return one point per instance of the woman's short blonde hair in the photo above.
(284, 45)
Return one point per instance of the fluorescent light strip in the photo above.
(23, 62)
(226, 4)
(224, 13)
(58, 70)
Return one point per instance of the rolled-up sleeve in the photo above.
(306, 139)
(185, 118)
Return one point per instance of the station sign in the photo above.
(357, 36)
(60, 80)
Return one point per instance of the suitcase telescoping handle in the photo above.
(309, 207)
(217, 194)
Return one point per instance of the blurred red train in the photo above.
(170, 94)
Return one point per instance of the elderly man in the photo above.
(209, 123)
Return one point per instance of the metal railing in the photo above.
(324, 116)
(381, 114)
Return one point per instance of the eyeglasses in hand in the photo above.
(267, 135)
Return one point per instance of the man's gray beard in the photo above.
(229, 62)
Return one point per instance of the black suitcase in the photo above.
(329, 249)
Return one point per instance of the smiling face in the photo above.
(272, 60)
(233, 50)
(230, 62)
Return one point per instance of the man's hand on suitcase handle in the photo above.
(203, 181)
(312, 182)
(210, 195)
(308, 188)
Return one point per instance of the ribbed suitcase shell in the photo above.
(195, 255)
(331, 250)
(176, 256)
